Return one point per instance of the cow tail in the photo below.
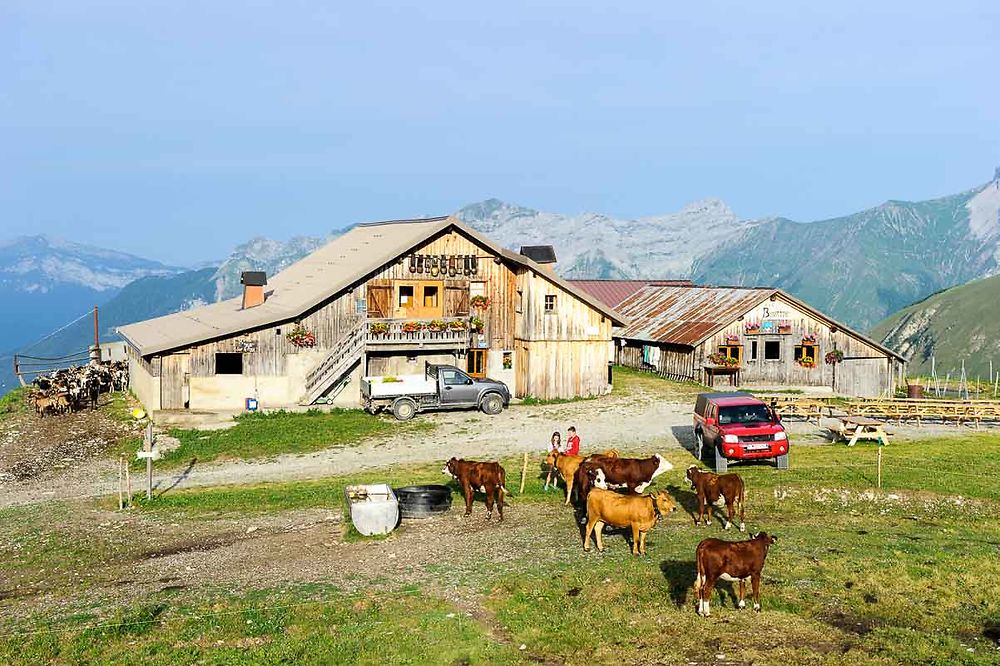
(503, 481)
(743, 501)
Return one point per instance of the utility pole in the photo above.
(95, 351)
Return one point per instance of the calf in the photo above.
(486, 477)
(717, 491)
(568, 464)
(633, 473)
(731, 561)
(640, 512)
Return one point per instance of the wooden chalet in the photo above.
(759, 337)
(379, 300)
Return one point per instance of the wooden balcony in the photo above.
(406, 334)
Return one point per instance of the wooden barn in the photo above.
(379, 300)
(759, 338)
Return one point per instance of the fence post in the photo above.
(524, 473)
(147, 446)
(121, 480)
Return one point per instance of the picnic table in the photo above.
(854, 428)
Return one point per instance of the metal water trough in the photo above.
(374, 508)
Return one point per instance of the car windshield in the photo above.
(744, 414)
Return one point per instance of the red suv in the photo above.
(738, 426)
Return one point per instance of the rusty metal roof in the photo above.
(689, 315)
(685, 315)
(613, 292)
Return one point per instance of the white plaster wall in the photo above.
(145, 387)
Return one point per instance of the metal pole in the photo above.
(878, 458)
(147, 445)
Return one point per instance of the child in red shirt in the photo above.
(572, 442)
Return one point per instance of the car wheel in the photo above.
(404, 409)
(492, 404)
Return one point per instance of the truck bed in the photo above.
(376, 387)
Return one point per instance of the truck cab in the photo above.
(730, 427)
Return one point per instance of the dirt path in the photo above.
(640, 420)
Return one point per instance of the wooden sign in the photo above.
(246, 345)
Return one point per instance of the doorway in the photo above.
(476, 363)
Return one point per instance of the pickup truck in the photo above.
(738, 426)
(440, 387)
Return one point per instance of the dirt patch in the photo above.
(850, 624)
(39, 447)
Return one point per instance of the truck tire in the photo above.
(782, 461)
(404, 409)
(699, 445)
(721, 463)
(423, 501)
(491, 404)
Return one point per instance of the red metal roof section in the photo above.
(613, 292)
(685, 315)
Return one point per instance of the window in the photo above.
(477, 288)
(475, 362)
(455, 378)
(806, 351)
(229, 364)
(360, 306)
(405, 296)
(732, 351)
(430, 297)
(518, 307)
(772, 350)
(550, 303)
(753, 350)
(744, 414)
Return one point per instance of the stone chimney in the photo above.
(253, 288)
(545, 255)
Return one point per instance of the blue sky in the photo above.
(177, 129)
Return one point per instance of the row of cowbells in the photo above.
(443, 264)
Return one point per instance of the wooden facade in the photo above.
(769, 358)
(539, 338)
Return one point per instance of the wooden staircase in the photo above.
(332, 370)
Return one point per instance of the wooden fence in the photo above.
(918, 410)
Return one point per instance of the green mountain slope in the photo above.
(862, 267)
(955, 325)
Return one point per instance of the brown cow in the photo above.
(567, 466)
(718, 491)
(731, 561)
(640, 512)
(633, 473)
(486, 477)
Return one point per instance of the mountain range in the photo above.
(859, 268)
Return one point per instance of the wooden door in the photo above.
(456, 299)
(175, 373)
(378, 301)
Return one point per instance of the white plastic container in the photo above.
(405, 385)
(374, 508)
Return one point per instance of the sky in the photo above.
(175, 130)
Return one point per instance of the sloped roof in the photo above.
(614, 292)
(542, 254)
(690, 315)
(315, 278)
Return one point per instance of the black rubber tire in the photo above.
(423, 501)
(491, 404)
(404, 409)
(721, 463)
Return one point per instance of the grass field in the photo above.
(907, 575)
(265, 434)
(12, 402)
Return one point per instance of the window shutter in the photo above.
(456, 300)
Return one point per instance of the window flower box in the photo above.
(807, 362)
(378, 328)
(479, 302)
(723, 361)
(412, 326)
(732, 339)
(437, 326)
(809, 339)
(300, 337)
(457, 325)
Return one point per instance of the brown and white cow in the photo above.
(485, 477)
(633, 473)
(640, 512)
(731, 561)
(715, 491)
(568, 464)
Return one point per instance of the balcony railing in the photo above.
(445, 332)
